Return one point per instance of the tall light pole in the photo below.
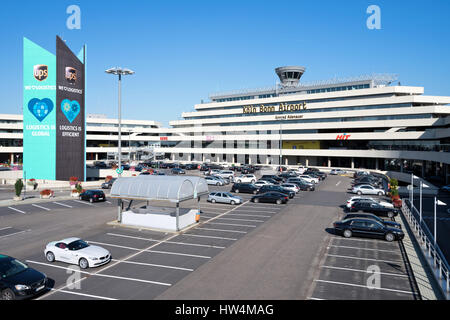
(119, 71)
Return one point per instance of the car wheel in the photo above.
(278, 201)
(83, 263)
(213, 200)
(218, 184)
(8, 294)
(80, 198)
(253, 181)
(389, 237)
(390, 214)
(359, 193)
(50, 256)
(380, 193)
(256, 200)
(237, 190)
(232, 202)
(255, 192)
(91, 200)
(347, 233)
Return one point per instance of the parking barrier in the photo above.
(433, 254)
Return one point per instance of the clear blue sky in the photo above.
(184, 50)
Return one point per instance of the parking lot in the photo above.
(147, 263)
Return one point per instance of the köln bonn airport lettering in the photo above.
(283, 107)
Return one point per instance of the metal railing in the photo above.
(433, 254)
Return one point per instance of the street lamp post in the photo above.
(119, 71)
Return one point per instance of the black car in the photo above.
(271, 197)
(101, 165)
(190, 166)
(387, 223)
(108, 184)
(268, 188)
(270, 180)
(303, 185)
(18, 281)
(287, 175)
(177, 171)
(93, 195)
(367, 228)
(272, 176)
(375, 208)
(244, 188)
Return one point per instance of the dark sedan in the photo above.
(18, 281)
(244, 188)
(108, 184)
(387, 223)
(177, 171)
(367, 228)
(279, 189)
(93, 196)
(271, 197)
(375, 208)
(302, 184)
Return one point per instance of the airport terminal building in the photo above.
(364, 122)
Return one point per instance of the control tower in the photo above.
(290, 75)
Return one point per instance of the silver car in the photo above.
(214, 181)
(224, 197)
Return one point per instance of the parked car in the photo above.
(367, 189)
(246, 178)
(224, 180)
(387, 223)
(228, 174)
(272, 188)
(261, 183)
(214, 181)
(108, 184)
(18, 281)
(93, 195)
(308, 178)
(337, 171)
(272, 176)
(244, 188)
(302, 184)
(446, 188)
(76, 251)
(291, 186)
(287, 175)
(376, 208)
(367, 228)
(271, 197)
(224, 197)
(270, 181)
(366, 198)
(177, 171)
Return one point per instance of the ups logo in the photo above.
(71, 74)
(40, 72)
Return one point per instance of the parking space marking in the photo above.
(5, 228)
(40, 207)
(172, 242)
(147, 250)
(232, 224)
(102, 274)
(362, 286)
(249, 220)
(252, 210)
(248, 215)
(365, 271)
(312, 298)
(338, 183)
(362, 240)
(86, 203)
(62, 204)
(155, 265)
(222, 230)
(358, 248)
(83, 294)
(107, 201)
(368, 259)
(11, 234)
(212, 237)
(16, 210)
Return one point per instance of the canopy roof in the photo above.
(168, 188)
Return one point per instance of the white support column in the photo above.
(307, 162)
(353, 163)
(329, 162)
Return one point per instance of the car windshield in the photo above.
(10, 267)
(77, 245)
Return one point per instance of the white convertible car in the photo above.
(76, 251)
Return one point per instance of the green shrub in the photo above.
(18, 187)
(78, 187)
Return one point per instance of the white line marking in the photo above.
(370, 249)
(312, 298)
(338, 183)
(146, 250)
(232, 224)
(83, 294)
(240, 219)
(155, 265)
(212, 229)
(172, 242)
(248, 215)
(256, 210)
(212, 237)
(63, 204)
(108, 201)
(365, 240)
(5, 228)
(361, 286)
(367, 259)
(35, 205)
(11, 234)
(365, 271)
(102, 275)
(16, 210)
